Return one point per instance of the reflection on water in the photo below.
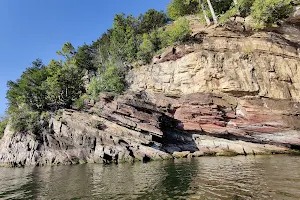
(260, 177)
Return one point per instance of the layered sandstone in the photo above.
(110, 131)
(263, 65)
(226, 92)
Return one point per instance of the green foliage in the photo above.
(41, 88)
(155, 39)
(125, 41)
(264, 12)
(59, 84)
(102, 46)
(230, 13)
(270, 11)
(45, 116)
(81, 102)
(178, 32)
(202, 17)
(67, 51)
(111, 80)
(221, 6)
(84, 58)
(94, 88)
(152, 20)
(179, 8)
(24, 119)
(146, 49)
(123, 38)
(64, 84)
(28, 88)
(247, 51)
(129, 40)
(244, 7)
(3, 124)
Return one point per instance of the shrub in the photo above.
(244, 7)
(179, 8)
(110, 80)
(146, 49)
(220, 6)
(152, 20)
(155, 39)
(178, 32)
(270, 11)
(3, 124)
(81, 102)
(230, 13)
(94, 87)
(113, 80)
(45, 116)
(24, 119)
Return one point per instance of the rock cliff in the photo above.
(226, 92)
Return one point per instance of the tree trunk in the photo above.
(212, 12)
(204, 12)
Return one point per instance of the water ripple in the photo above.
(219, 178)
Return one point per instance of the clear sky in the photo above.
(31, 29)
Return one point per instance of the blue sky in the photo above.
(31, 29)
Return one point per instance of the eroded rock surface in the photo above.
(263, 65)
(110, 131)
(226, 93)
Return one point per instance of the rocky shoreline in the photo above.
(133, 129)
(225, 94)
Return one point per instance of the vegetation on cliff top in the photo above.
(263, 12)
(103, 64)
(3, 123)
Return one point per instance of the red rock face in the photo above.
(156, 127)
(251, 119)
(244, 118)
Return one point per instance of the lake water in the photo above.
(260, 177)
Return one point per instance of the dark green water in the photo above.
(260, 177)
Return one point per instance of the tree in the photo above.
(110, 80)
(212, 11)
(119, 38)
(270, 11)
(146, 49)
(64, 84)
(176, 33)
(24, 119)
(131, 45)
(244, 7)
(67, 51)
(204, 12)
(220, 5)
(84, 58)
(151, 20)
(3, 124)
(179, 8)
(102, 49)
(28, 88)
